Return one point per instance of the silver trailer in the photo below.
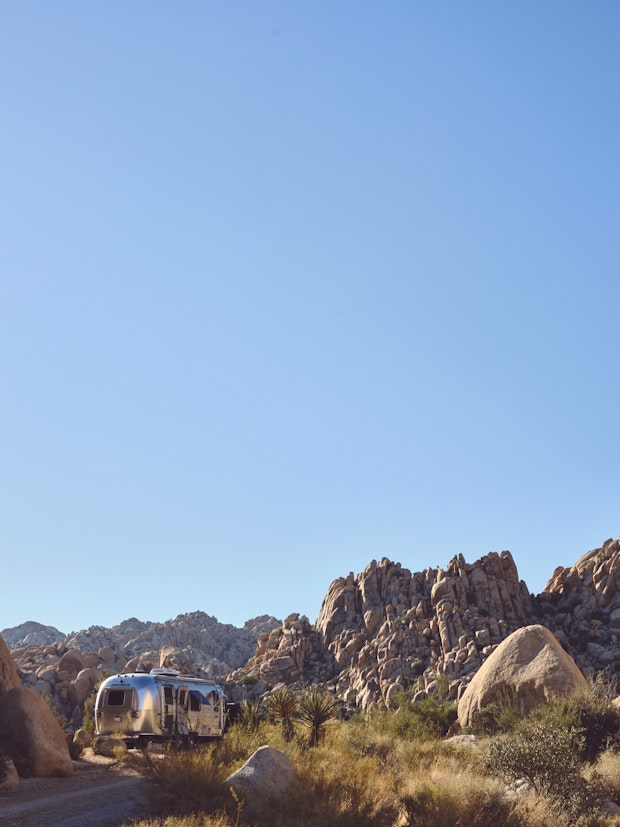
(160, 705)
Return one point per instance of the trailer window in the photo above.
(116, 697)
(194, 701)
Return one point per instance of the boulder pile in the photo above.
(66, 669)
(387, 630)
(581, 606)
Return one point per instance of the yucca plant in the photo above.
(315, 710)
(282, 705)
(251, 715)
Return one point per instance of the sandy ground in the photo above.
(101, 793)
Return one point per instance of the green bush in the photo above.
(431, 717)
(548, 757)
(503, 715)
(592, 712)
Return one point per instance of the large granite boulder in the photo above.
(9, 678)
(531, 665)
(31, 735)
(267, 776)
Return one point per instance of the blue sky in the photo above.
(286, 287)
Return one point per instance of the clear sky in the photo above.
(286, 287)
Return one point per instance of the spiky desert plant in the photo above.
(251, 715)
(315, 710)
(282, 705)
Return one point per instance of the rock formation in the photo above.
(381, 632)
(388, 629)
(581, 606)
(9, 677)
(30, 634)
(531, 666)
(31, 740)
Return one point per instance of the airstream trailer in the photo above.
(160, 705)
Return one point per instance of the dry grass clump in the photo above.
(447, 798)
(606, 772)
(184, 782)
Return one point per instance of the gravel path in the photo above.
(101, 793)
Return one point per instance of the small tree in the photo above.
(282, 705)
(315, 710)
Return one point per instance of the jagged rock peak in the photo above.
(597, 569)
(388, 628)
(581, 606)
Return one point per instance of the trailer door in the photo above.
(183, 724)
(168, 709)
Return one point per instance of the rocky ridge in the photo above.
(387, 630)
(378, 633)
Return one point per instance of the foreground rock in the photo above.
(531, 666)
(31, 736)
(266, 778)
(9, 677)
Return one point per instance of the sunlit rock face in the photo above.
(380, 632)
(387, 629)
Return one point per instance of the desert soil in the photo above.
(101, 793)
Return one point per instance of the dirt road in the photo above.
(101, 793)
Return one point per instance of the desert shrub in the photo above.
(547, 756)
(338, 789)
(283, 706)
(456, 801)
(316, 709)
(605, 772)
(591, 712)
(252, 714)
(183, 782)
(431, 717)
(502, 715)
